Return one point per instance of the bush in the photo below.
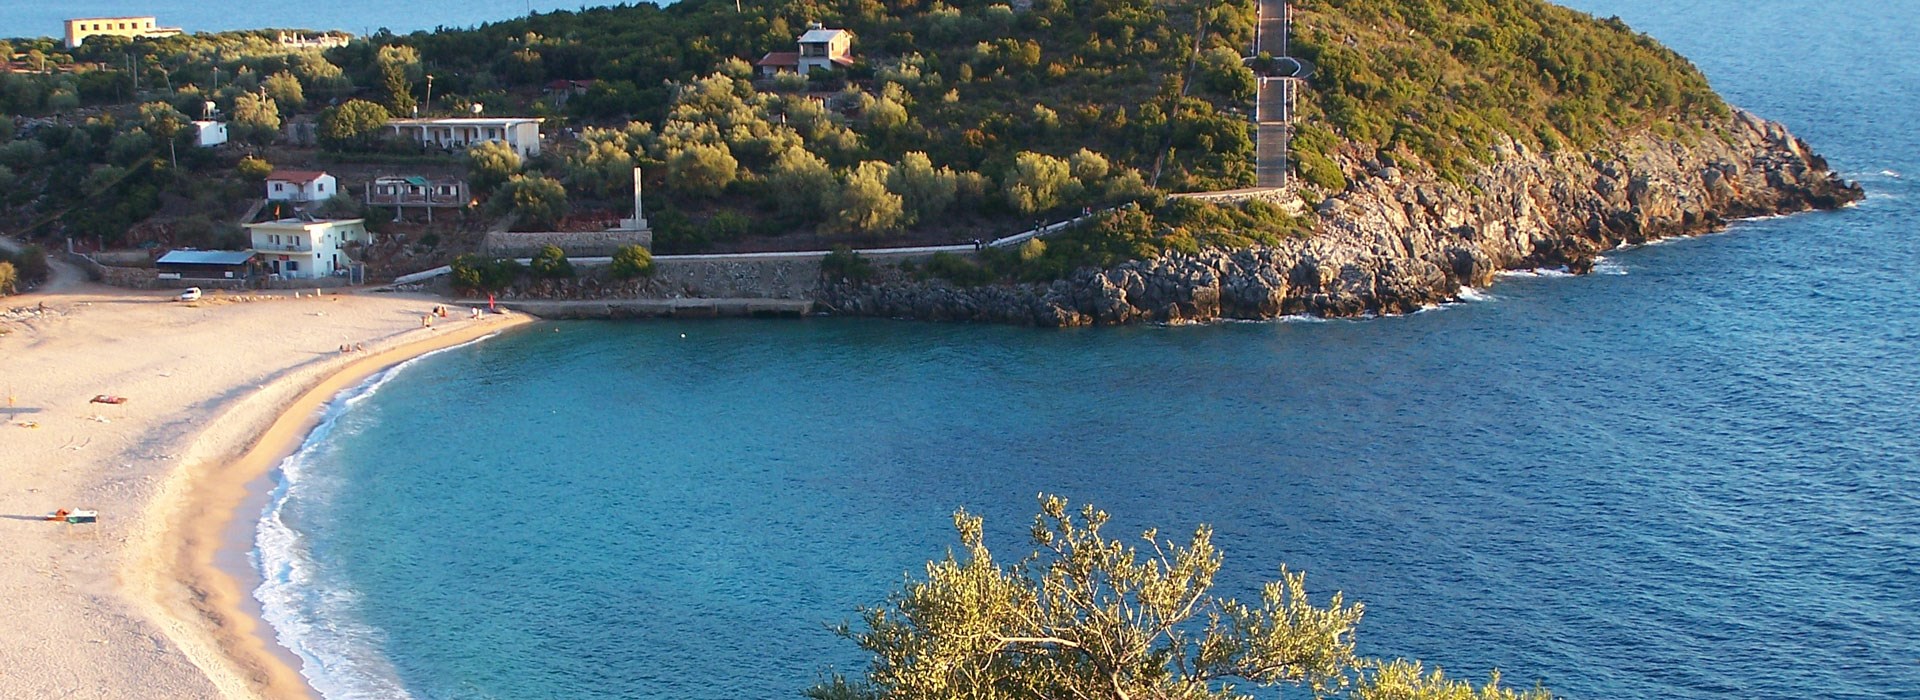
(8, 278)
(29, 266)
(632, 261)
(490, 165)
(958, 270)
(552, 263)
(702, 170)
(471, 273)
(353, 125)
(845, 264)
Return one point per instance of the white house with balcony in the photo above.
(522, 133)
(301, 186)
(825, 49)
(303, 248)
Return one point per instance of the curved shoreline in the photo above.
(171, 570)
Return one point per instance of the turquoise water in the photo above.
(1693, 475)
(20, 18)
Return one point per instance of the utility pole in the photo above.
(429, 104)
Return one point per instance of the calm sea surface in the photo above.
(28, 18)
(1694, 475)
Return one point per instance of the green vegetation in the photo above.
(472, 273)
(551, 263)
(846, 265)
(1439, 81)
(956, 117)
(1086, 616)
(630, 261)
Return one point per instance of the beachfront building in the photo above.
(820, 49)
(306, 248)
(522, 133)
(204, 265)
(301, 186)
(130, 27)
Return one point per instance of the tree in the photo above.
(165, 123)
(602, 164)
(285, 90)
(1090, 617)
(630, 261)
(536, 200)
(1039, 182)
(702, 170)
(399, 67)
(863, 206)
(258, 118)
(924, 191)
(253, 169)
(490, 165)
(353, 124)
(799, 184)
(551, 263)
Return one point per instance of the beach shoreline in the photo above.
(219, 393)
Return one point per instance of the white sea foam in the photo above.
(311, 616)
(1895, 174)
(1538, 272)
(1470, 294)
(1605, 266)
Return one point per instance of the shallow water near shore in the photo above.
(1694, 477)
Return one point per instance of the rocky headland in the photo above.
(1396, 241)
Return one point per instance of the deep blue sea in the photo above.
(1695, 474)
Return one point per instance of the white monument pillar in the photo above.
(639, 220)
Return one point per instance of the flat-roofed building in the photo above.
(522, 133)
(130, 27)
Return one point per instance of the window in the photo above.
(320, 187)
(279, 187)
(293, 266)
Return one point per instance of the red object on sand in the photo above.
(490, 301)
(108, 398)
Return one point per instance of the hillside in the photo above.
(948, 121)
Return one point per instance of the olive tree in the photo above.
(353, 124)
(1039, 182)
(537, 201)
(491, 164)
(702, 169)
(799, 184)
(863, 206)
(1088, 616)
(925, 192)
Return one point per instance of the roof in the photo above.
(300, 176)
(470, 121)
(205, 257)
(302, 224)
(823, 35)
(780, 58)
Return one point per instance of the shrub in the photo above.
(475, 274)
(632, 261)
(353, 125)
(845, 264)
(552, 263)
(8, 278)
(958, 270)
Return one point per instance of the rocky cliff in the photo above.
(1394, 242)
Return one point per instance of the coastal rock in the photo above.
(1397, 241)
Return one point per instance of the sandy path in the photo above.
(132, 607)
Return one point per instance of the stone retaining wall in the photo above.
(586, 244)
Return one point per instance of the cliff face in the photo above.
(1393, 243)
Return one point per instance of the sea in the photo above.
(1692, 474)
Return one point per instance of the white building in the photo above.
(825, 49)
(207, 134)
(522, 133)
(130, 27)
(302, 186)
(304, 249)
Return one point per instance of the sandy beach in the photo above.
(217, 392)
